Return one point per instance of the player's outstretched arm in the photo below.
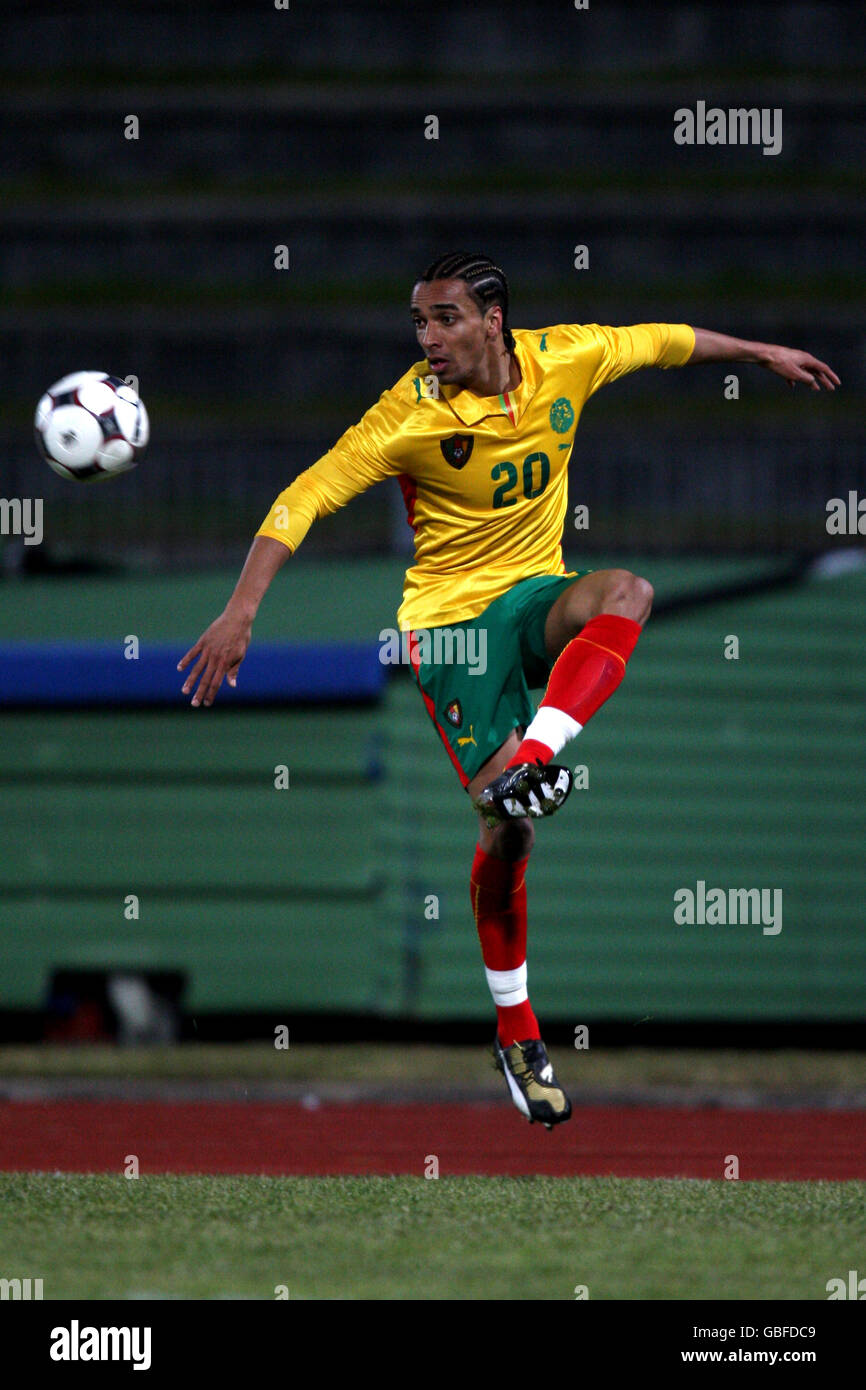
(222, 647)
(791, 363)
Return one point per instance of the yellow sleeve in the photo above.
(642, 345)
(364, 455)
(607, 353)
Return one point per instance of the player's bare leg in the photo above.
(590, 633)
(617, 592)
(512, 839)
(499, 905)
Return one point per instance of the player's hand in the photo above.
(217, 655)
(796, 366)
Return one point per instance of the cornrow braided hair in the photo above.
(487, 283)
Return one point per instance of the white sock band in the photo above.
(508, 987)
(553, 727)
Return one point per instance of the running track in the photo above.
(292, 1139)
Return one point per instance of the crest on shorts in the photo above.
(457, 449)
(454, 713)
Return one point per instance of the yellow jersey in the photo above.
(484, 478)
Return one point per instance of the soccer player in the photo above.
(479, 434)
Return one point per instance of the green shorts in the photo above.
(476, 676)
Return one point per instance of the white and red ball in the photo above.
(91, 425)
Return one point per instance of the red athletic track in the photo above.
(252, 1137)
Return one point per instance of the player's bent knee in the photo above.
(628, 594)
(644, 594)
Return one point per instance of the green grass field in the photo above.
(98, 1237)
(184, 1237)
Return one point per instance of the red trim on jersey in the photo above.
(431, 709)
(512, 415)
(409, 489)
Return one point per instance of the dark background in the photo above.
(305, 127)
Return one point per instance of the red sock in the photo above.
(498, 888)
(585, 674)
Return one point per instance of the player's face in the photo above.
(452, 332)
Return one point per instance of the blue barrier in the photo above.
(98, 673)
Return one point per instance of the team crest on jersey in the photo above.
(561, 415)
(454, 713)
(457, 449)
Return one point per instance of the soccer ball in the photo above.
(91, 425)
